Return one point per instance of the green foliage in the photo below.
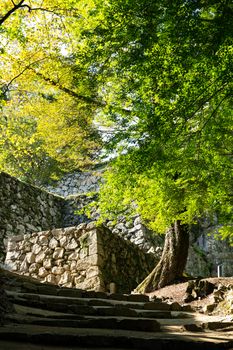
(226, 232)
(48, 95)
(169, 73)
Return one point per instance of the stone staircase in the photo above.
(45, 316)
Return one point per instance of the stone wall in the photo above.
(25, 209)
(218, 252)
(84, 257)
(132, 230)
(76, 183)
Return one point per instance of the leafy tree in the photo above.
(166, 72)
(48, 96)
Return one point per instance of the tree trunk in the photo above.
(173, 260)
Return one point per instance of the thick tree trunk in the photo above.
(173, 260)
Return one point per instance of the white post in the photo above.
(219, 270)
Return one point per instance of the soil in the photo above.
(177, 292)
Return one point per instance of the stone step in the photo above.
(144, 325)
(48, 289)
(158, 305)
(102, 321)
(109, 338)
(73, 306)
(95, 311)
(163, 317)
(86, 298)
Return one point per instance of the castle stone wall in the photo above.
(25, 209)
(85, 256)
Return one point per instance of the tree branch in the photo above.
(6, 86)
(70, 92)
(39, 9)
(7, 15)
(214, 112)
(205, 100)
(22, 5)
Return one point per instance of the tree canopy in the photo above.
(156, 74)
(168, 78)
(47, 97)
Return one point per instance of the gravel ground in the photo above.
(176, 292)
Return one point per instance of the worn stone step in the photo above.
(107, 338)
(48, 302)
(145, 325)
(158, 305)
(80, 309)
(48, 289)
(29, 311)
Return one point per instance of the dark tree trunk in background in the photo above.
(173, 260)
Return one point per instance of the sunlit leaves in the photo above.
(180, 84)
(48, 89)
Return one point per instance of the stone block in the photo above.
(34, 268)
(192, 328)
(92, 271)
(73, 244)
(58, 253)
(42, 272)
(139, 298)
(24, 266)
(30, 257)
(27, 247)
(83, 253)
(36, 248)
(40, 257)
(175, 307)
(34, 239)
(144, 325)
(71, 266)
(53, 243)
(59, 262)
(66, 285)
(73, 256)
(57, 233)
(43, 240)
(57, 270)
(156, 306)
(95, 259)
(95, 249)
(65, 278)
(63, 242)
(209, 308)
(82, 265)
(43, 233)
(51, 278)
(47, 263)
(78, 281)
(13, 266)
